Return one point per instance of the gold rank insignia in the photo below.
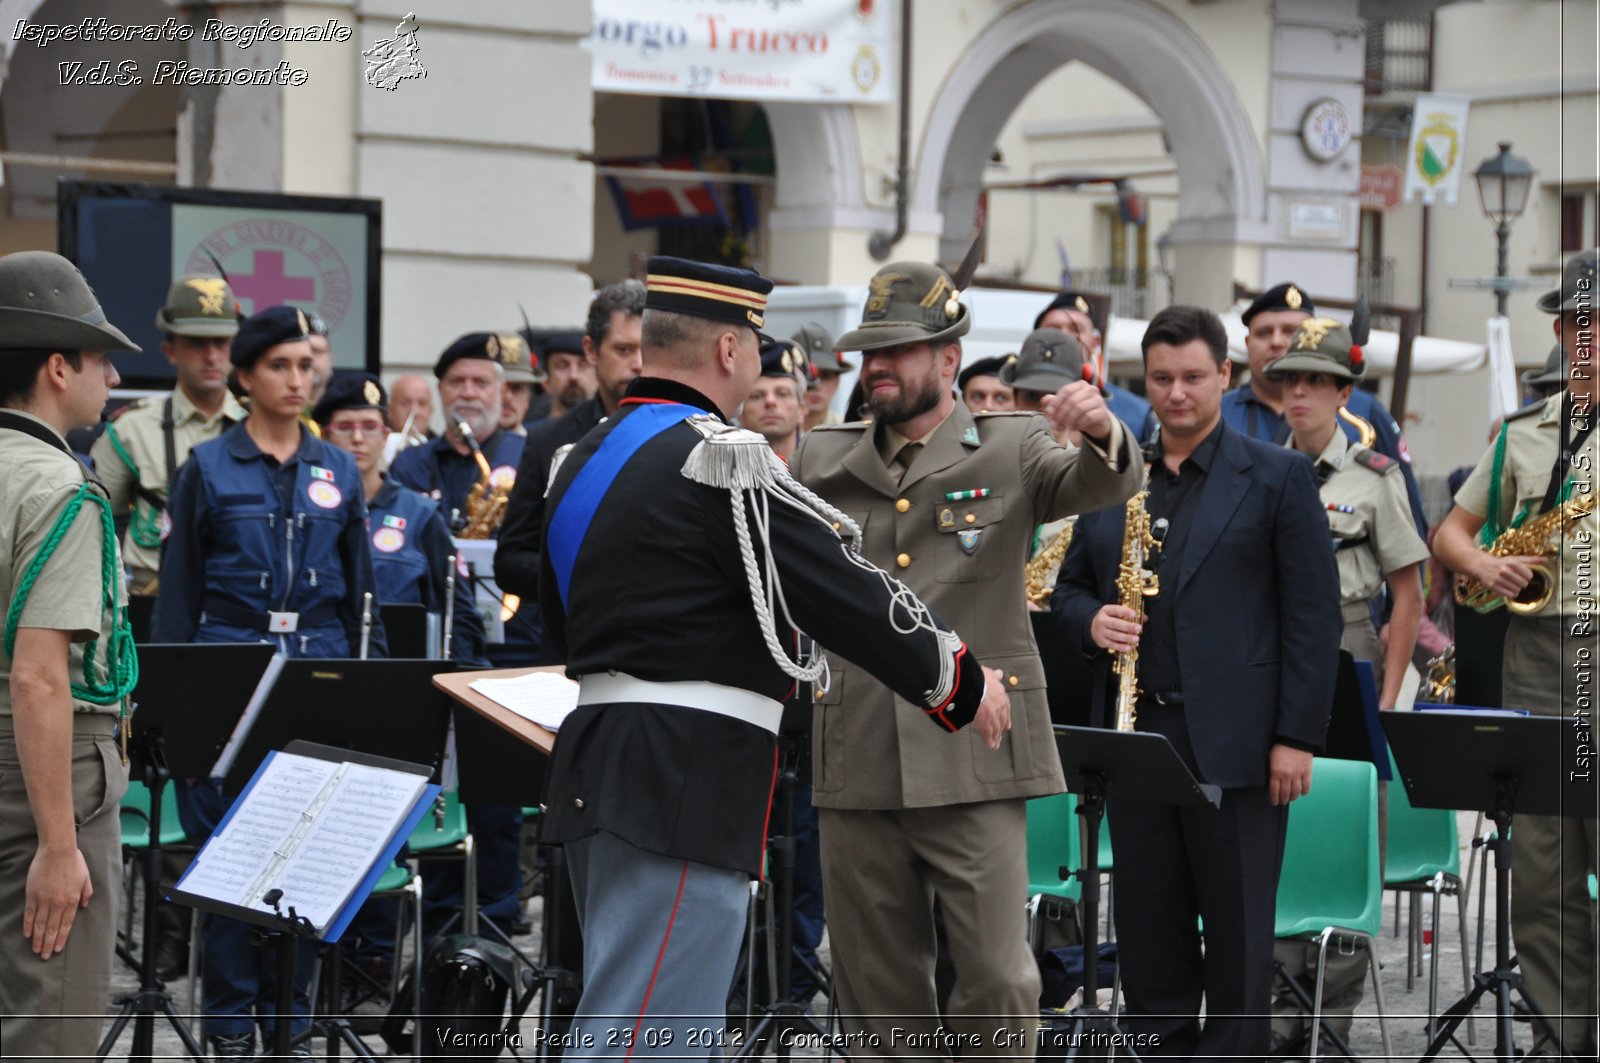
(510, 349)
(305, 326)
(947, 518)
(1292, 298)
(1312, 332)
(882, 290)
(787, 361)
(370, 392)
(1081, 304)
(491, 346)
(211, 290)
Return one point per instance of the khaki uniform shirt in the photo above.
(67, 595)
(138, 429)
(957, 527)
(1370, 518)
(1533, 439)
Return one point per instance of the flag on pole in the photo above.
(656, 200)
(1503, 392)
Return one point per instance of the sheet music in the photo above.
(310, 827)
(543, 697)
(239, 855)
(247, 719)
(357, 818)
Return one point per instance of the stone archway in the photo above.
(1141, 45)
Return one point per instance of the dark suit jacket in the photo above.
(1257, 611)
(516, 559)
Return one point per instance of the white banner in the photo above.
(1504, 394)
(1433, 159)
(828, 51)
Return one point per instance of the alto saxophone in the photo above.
(1540, 536)
(486, 502)
(1135, 582)
(1044, 566)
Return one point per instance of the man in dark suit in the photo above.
(1235, 670)
(611, 346)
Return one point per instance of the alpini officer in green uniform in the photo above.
(142, 449)
(66, 666)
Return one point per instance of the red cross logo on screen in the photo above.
(269, 285)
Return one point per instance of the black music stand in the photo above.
(1129, 765)
(175, 734)
(1503, 764)
(406, 629)
(384, 708)
(1354, 729)
(781, 1015)
(424, 735)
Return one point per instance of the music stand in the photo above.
(1503, 764)
(1354, 730)
(383, 708)
(406, 628)
(374, 709)
(1130, 765)
(174, 733)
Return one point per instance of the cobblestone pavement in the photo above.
(1406, 1008)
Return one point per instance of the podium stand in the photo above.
(175, 734)
(502, 773)
(1129, 765)
(1505, 765)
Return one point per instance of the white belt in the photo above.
(607, 687)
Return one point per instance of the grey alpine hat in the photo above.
(200, 306)
(45, 302)
(818, 345)
(1554, 371)
(1050, 357)
(1577, 285)
(1322, 345)
(908, 302)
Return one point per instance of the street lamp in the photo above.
(1503, 185)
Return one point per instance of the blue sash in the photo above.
(577, 508)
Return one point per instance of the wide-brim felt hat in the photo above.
(1554, 371)
(1577, 290)
(45, 302)
(1050, 357)
(818, 345)
(200, 306)
(908, 302)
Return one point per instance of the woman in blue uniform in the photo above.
(408, 537)
(267, 542)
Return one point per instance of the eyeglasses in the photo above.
(348, 429)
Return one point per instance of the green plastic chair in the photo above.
(136, 817)
(1052, 844)
(1331, 888)
(1424, 856)
(447, 838)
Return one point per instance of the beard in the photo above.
(913, 401)
(478, 418)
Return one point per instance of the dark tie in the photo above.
(902, 461)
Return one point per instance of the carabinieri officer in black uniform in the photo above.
(661, 780)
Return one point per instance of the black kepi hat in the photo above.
(700, 289)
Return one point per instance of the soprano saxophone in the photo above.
(1135, 582)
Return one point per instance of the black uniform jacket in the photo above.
(658, 591)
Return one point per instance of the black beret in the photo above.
(1282, 297)
(472, 345)
(700, 289)
(556, 341)
(350, 391)
(1071, 300)
(982, 367)
(259, 333)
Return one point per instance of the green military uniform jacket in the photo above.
(67, 595)
(965, 558)
(1533, 439)
(1369, 517)
(131, 460)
